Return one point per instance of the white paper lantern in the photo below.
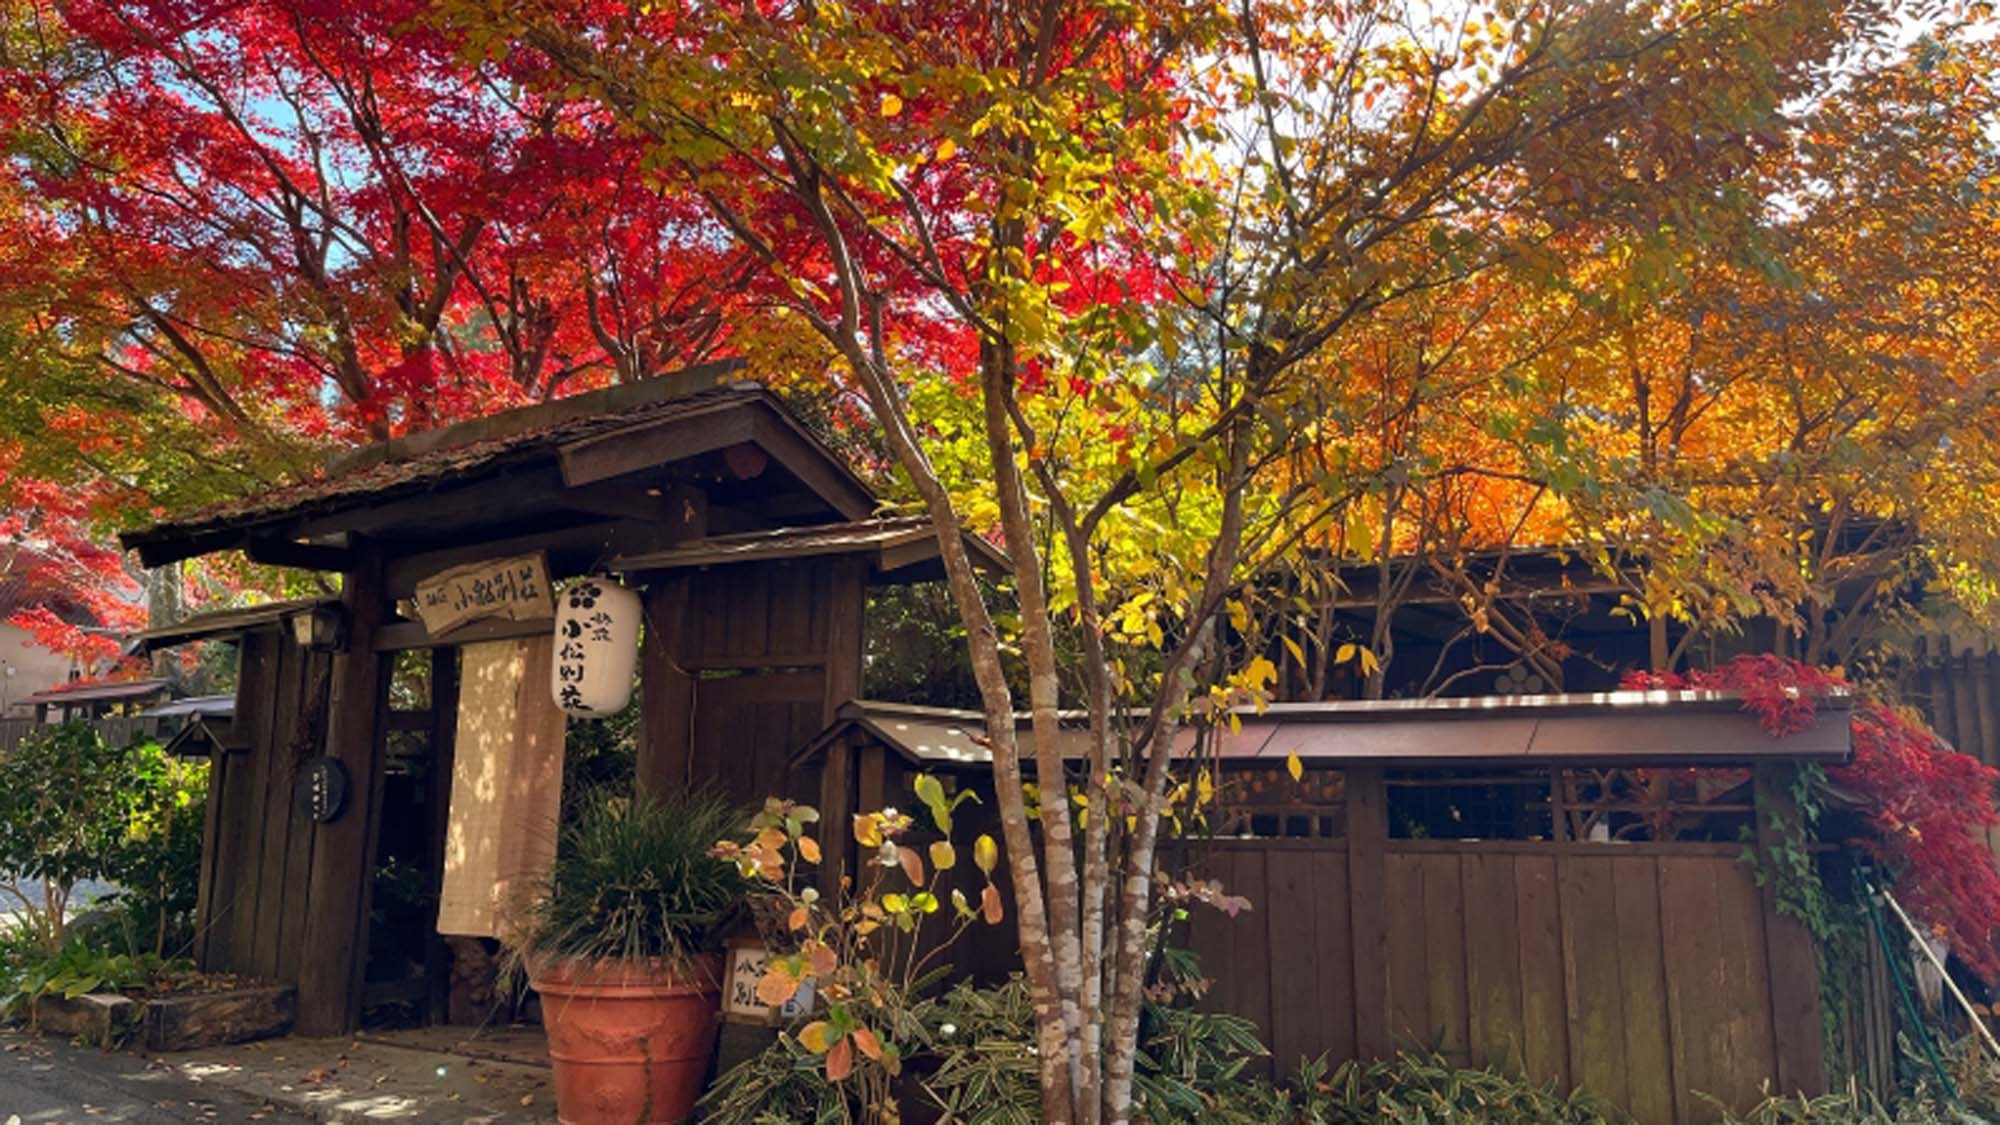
(597, 647)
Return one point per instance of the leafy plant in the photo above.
(73, 807)
(79, 968)
(156, 864)
(872, 950)
(633, 880)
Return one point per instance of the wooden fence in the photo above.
(1650, 974)
(116, 731)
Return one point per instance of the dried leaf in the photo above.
(823, 960)
(913, 865)
(869, 1045)
(840, 1061)
(989, 904)
(809, 849)
(777, 986)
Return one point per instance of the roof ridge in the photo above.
(619, 398)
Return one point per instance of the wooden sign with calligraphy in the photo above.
(516, 588)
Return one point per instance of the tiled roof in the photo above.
(423, 460)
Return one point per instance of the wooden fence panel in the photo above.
(1640, 972)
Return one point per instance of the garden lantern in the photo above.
(597, 647)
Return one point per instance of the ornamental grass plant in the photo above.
(633, 881)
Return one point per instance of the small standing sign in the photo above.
(516, 588)
(747, 960)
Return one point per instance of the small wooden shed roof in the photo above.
(223, 623)
(116, 691)
(590, 453)
(1633, 728)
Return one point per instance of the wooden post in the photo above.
(1368, 898)
(1794, 963)
(836, 801)
(335, 947)
(844, 641)
(444, 740)
(666, 691)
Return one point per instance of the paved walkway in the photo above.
(50, 1082)
(356, 1081)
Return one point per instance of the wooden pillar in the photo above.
(666, 691)
(844, 643)
(1794, 964)
(1368, 899)
(335, 946)
(444, 742)
(836, 806)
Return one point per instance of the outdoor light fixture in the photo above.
(323, 628)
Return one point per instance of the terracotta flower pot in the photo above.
(630, 1041)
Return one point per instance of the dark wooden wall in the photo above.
(1649, 974)
(743, 665)
(1958, 689)
(257, 855)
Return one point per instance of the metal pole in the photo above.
(1978, 1022)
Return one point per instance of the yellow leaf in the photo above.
(809, 849)
(813, 1037)
(1346, 653)
(891, 106)
(1298, 653)
(943, 856)
(868, 830)
(947, 149)
(985, 854)
(895, 904)
(1295, 767)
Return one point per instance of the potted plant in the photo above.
(619, 942)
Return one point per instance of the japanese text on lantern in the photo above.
(516, 588)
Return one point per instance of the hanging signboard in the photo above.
(516, 588)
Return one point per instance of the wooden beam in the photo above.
(809, 461)
(648, 445)
(571, 550)
(272, 551)
(495, 499)
(400, 635)
(335, 943)
(616, 399)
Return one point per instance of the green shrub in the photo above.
(80, 967)
(633, 880)
(72, 808)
